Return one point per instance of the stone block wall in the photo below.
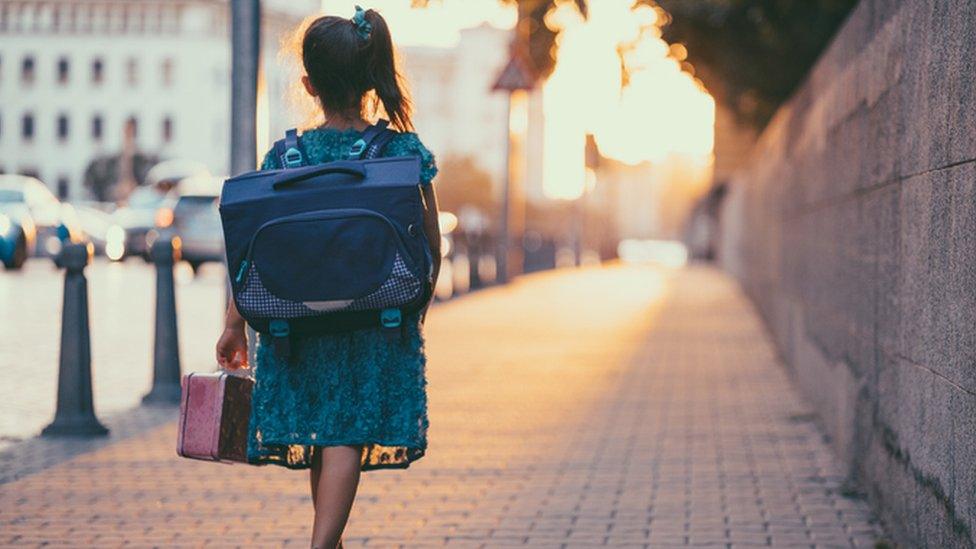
(853, 228)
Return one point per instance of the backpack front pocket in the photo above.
(325, 261)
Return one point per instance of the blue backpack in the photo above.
(328, 248)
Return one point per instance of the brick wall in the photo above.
(853, 228)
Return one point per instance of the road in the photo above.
(624, 406)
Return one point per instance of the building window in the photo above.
(27, 127)
(63, 127)
(86, 18)
(96, 127)
(56, 19)
(132, 71)
(63, 186)
(71, 18)
(167, 129)
(167, 72)
(27, 70)
(64, 70)
(98, 18)
(132, 127)
(97, 71)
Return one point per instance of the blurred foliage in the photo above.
(102, 174)
(541, 52)
(461, 182)
(752, 54)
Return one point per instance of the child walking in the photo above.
(355, 401)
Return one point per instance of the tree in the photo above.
(102, 174)
(538, 40)
(752, 54)
(461, 182)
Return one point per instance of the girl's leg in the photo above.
(336, 490)
(315, 472)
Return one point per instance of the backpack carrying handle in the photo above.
(348, 168)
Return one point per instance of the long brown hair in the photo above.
(346, 61)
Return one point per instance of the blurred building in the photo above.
(74, 72)
(457, 113)
(650, 200)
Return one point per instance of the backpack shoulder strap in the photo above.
(376, 147)
(371, 144)
(289, 150)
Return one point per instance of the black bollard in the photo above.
(474, 258)
(75, 413)
(166, 349)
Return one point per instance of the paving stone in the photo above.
(669, 425)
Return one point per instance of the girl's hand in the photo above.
(232, 348)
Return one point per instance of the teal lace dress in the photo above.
(349, 389)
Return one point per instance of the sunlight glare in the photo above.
(660, 112)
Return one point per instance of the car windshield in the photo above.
(10, 195)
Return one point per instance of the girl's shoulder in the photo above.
(327, 144)
(319, 145)
(409, 144)
(405, 142)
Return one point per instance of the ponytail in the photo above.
(347, 58)
(383, 75)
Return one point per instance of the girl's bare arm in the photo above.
(433, 232)
(232, 345)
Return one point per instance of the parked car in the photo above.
(99, 227)
(194, 218)
(17, 233)
(53, 221)
(137, 216)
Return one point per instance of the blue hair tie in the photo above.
(363, 27)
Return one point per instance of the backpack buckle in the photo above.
(279, 331)
(390, 318)
(278, 328)
(357, 149)
(293, 158)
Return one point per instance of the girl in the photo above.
(356, 401)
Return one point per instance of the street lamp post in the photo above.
(516, 79)
(245, 60)
(245, 56)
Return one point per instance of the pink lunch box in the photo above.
(215, 409)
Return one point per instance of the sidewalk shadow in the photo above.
(36, 454)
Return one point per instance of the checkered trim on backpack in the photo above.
(401, 288)
(256, 301)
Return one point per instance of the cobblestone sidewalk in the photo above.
(621, 406)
